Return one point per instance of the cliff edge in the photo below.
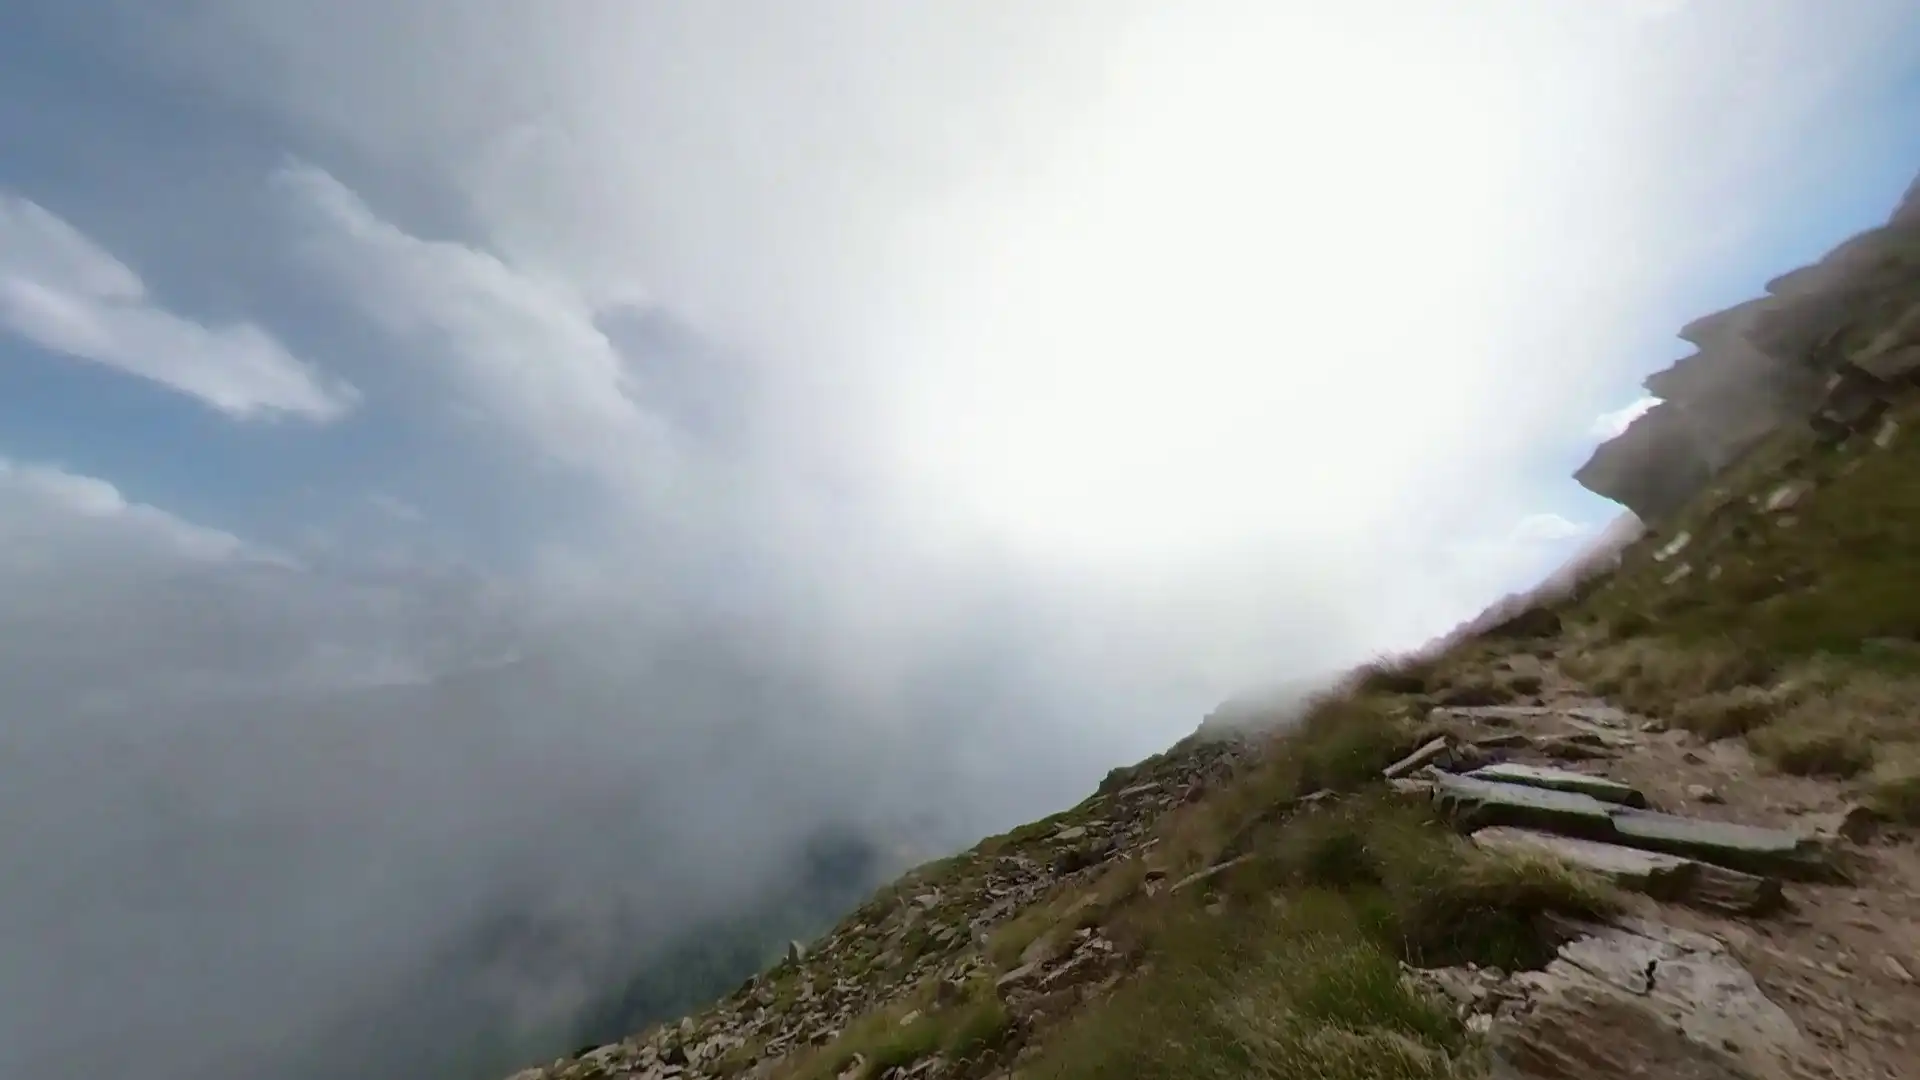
(1828, 344)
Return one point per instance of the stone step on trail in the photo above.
(1667, 878)
(1473, 804)
(1552, 779)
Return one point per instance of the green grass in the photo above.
(1295, 991)
(913, 1027)
(1438, 899)
(1806, 642)
(1839, 576)
(1298, 976)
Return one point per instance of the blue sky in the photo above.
(968, 396)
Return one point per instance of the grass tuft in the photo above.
(1894, 788)
(1810, 750)
(1299, 990)
(1727, 714)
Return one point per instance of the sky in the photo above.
(783, 414)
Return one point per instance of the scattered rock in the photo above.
(1855, 824)
(1673, 547)
(1412, 787)
(1430, 753)
(796, 952)
(1701, 793)
(1786, 496)
(1209, 873)
(1894, 968)
(1889, 431)
(1316, 800)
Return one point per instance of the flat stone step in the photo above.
(1543, 776)
(1668, 878)
(1587, 716)
(1473, 804)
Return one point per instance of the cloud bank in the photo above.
(65, 293)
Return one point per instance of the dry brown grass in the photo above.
(1658, 677)
(1822, 715)
(1894, 788)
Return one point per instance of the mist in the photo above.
(489, 492)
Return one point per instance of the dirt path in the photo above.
(1843, 961)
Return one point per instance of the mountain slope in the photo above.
(1656, 819)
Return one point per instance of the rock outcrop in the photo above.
(1826, 344)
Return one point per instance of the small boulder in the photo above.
(1701, 793)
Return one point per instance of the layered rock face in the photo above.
(1828, 344)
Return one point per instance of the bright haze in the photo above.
(460, 454)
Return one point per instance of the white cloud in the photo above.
(520, 349)
(1610, 424)
(68, 295)
(1547, 529)
(45, 509)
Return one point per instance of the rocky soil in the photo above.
(1808, 965)
(931, 934)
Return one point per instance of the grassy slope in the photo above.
(1804, 640)
(1798, 630)
(1285, 965)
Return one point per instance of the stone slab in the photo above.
(1476, 804)
(1668, 878)
(1473, 804)
(1645, 999)
(1541, 776)
(1751, 848)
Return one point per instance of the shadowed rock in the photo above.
(1766, 363)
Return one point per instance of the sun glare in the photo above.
(1168, 332)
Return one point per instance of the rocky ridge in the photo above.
(1829, 343)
